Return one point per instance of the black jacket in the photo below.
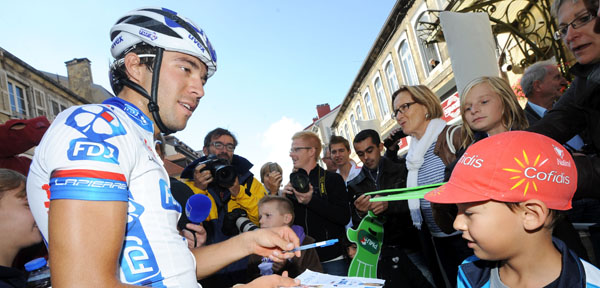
(12, 277)
(577, 111)
(531, 115)
(398, 228)
(325, 216)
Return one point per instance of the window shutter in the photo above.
(4, 101)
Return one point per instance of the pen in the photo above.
(314, 245)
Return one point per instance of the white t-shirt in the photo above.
(106, 153)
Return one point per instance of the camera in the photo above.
(300, 180)
(236, 222)
(223, 173)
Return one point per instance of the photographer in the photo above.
(322, 210)
(240, 192)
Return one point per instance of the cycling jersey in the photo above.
(105, 152)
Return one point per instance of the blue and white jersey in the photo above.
(105, 152)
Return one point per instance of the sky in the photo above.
(277, 60)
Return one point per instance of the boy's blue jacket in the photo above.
(474, 272)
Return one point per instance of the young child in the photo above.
(275, 211)
(509, 189)
(17, 227)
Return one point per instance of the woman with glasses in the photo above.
(432, 145)
(578, 110)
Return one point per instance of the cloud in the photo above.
(277, 140)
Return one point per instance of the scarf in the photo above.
(414, 161)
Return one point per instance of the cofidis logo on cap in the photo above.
(529, 173)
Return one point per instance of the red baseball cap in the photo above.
(512, 166)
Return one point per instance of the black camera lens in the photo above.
(300, 180)
(223, 173)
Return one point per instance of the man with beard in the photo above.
(401, 238)
(242, 196)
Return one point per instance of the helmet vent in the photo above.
(151, 24)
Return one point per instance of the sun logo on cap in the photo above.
(520, 178)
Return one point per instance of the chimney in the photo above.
(323, 109)
(79, 72)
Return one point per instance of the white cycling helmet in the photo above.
(161, 27)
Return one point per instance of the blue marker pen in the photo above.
(314, 245)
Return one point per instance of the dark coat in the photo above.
(398, 228)
(12, 277)
(327, 213)
(577, 112)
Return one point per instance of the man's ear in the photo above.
(287, 218)
(133, 68)
(205, 151)
(536, 85)
(535, 214)
(380, 146)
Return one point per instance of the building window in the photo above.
(16, 95)
(341, 132)
(347, 131)
(369, 104)
(40, 102)
(383, 106)
(390, 74)
(56, 108)
(409, 72)
(358, 111)
(430, 54)
(354, 126)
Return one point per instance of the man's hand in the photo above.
(235, 189)
(379, 207)
(202, 178)
(272, 281)
(362, 203)
(303, 198)
(271, 242)
(273, 181)
(278, 266)
(194, 234)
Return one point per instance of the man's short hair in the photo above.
(218, 132)
(536, 72)
(312, 139)
(11, 179)
(117, 70)
(335, 139)
(367, 133)
(284, 205)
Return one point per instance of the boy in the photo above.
(507, 212)
(17, 227)
(276, 211)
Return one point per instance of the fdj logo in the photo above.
(149, 34)
(81, 149)
(368, 242)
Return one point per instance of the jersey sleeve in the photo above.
(85, 154)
